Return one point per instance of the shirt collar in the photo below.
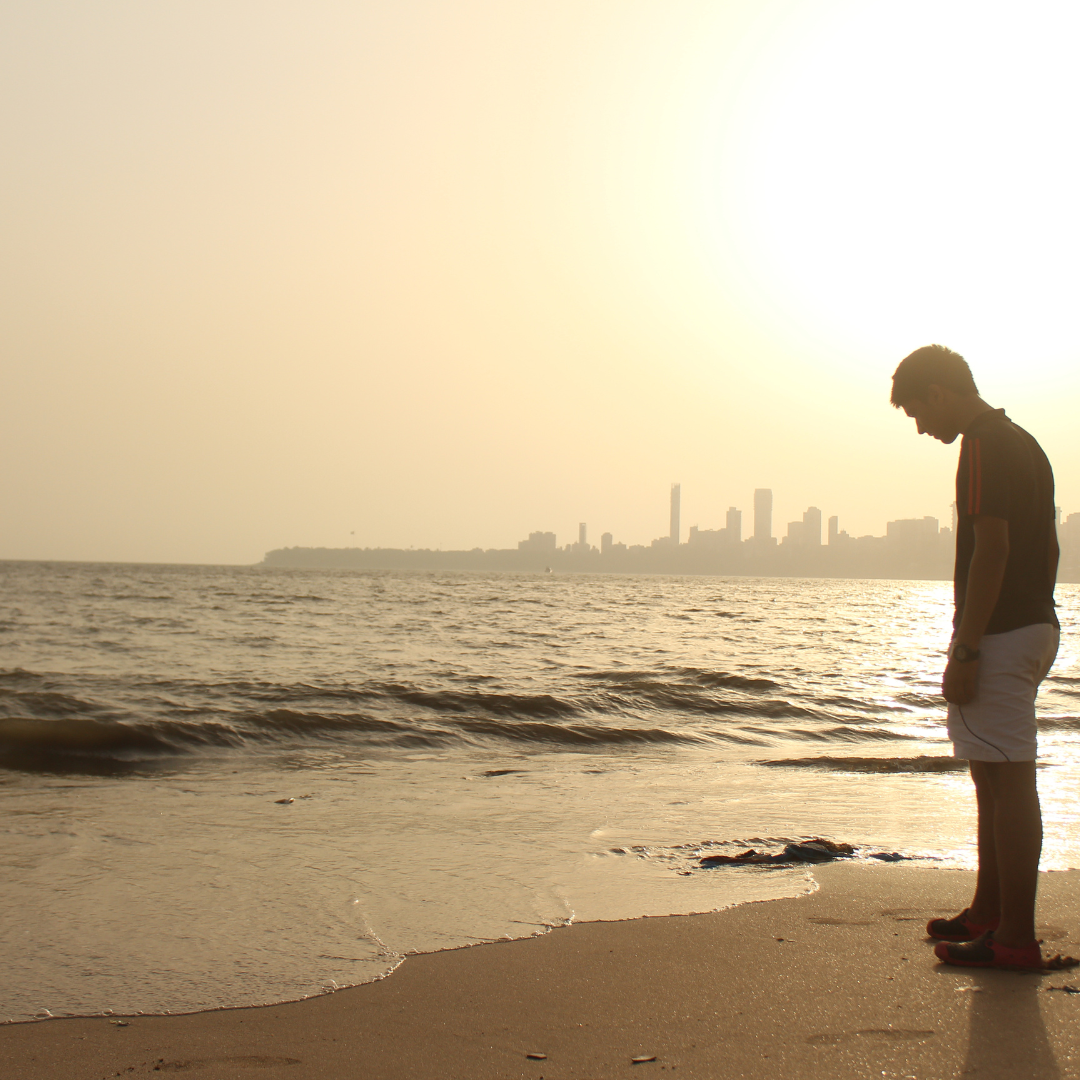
(989, 417)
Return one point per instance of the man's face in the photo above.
(933, 416)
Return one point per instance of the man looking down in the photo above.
(1005, 638)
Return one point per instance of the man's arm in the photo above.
(985, 575)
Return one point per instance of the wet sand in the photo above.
(841, 983)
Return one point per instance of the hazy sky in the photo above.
(388, 272)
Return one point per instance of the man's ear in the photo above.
(935, 395)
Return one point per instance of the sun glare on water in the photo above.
(906, 174)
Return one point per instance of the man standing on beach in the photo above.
(1005, 638)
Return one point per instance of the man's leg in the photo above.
(986, 905)
(1010, 843)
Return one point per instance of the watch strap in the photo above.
(964, 654)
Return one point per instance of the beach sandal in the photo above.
(987, 953)
(962, 928)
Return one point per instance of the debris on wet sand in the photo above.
(1061, 963)
(809, 851)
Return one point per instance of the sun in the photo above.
(902, 174)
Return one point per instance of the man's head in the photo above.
(935, 388)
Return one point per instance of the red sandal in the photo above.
(988, 953)
(962, 928)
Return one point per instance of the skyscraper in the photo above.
(763, 514)
(811, 530)
(734, 525)
(676, 498)
(581, 534)
(834, 529)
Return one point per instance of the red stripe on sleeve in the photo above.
(971, 478)
(978, 477)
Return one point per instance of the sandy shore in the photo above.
(841, 983)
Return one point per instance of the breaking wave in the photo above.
(50, 717)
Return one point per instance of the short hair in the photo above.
(930, 364)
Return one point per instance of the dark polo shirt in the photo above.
(1003, 473)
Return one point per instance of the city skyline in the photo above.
(916, 547)
(920, 547)
(910, 548)
(811, 530)
(804, 532)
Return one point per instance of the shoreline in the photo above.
(838, 982)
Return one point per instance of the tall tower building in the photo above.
(676, 498)
(581, 534)
(763, 514)
(834, 529)
(811, 530)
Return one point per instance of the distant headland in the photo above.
(863, 561)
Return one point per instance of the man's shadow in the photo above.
(1007, 1037)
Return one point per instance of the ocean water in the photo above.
(231, 786)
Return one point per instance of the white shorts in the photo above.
(999, 725)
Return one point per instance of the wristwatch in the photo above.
(963, 654)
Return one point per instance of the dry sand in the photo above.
(841, 983)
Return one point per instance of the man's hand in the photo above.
(958, 682)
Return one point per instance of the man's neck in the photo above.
(969, 409)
